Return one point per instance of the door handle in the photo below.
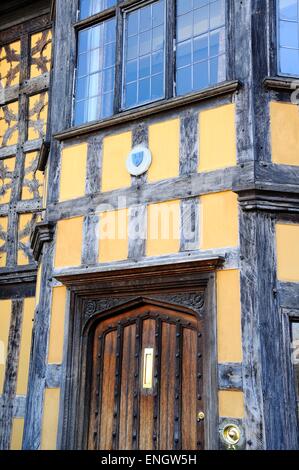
(200, 416)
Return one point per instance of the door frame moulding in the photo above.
(186, 286)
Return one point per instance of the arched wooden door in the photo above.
(146, 389)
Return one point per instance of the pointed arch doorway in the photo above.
(147, 373)
(142, 361)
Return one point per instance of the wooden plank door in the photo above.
(146, 389)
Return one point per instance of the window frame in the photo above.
(226, 26)
(290, 315)
(118, 11)
(125, 12)
(278, 57)
(294, 319)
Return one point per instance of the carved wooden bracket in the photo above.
(267, 200)
(43, 232)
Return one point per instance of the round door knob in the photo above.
(200, 416)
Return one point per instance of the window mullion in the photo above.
(118, 85)
(170, 49)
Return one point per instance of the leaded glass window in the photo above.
(200, 44)
(91, 7)
(95, 72)
(288, 37)
(144, 55)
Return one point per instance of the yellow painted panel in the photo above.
(5, 317)
(284, 133)
(163, 228)
(115, 153)
(73, 172)
(164, 143)
(3, 234)
(69, 235)
(113, 242)
(219, 220)
(217, 137)
(55, 355)
(17, 434)
(24, 358)
(41, 51)
(231, 404)
(10, 64)
(229, 331)
(7, 167)
(9, 131)
(287, 246)
(50, 419)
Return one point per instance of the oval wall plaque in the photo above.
(139, 160)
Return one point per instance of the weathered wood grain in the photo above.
(230, 376)
(11, 370)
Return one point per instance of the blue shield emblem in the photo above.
(137, 158)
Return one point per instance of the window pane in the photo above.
(200, 51)
(288, 10)
(94, 84)
(217, 14)
(144, 53)
(184, 80)
(131, 71)
(288, 37)
(289, 61)
(289, 34)
(157, 86)
(184, 54)
(131, 94)
(91, 7)
(145, 67)
(201, 20)
(184, 27)
(95, 72)
(201, 75)
(157, 63)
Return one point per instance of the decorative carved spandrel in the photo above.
(3, 239)
(9, 115)
(10, 65)
(41, 52)
(7, 167)
(37, 116)
(26, 224)
(193, 301)
(33, 180)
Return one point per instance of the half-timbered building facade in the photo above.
(149, 224)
